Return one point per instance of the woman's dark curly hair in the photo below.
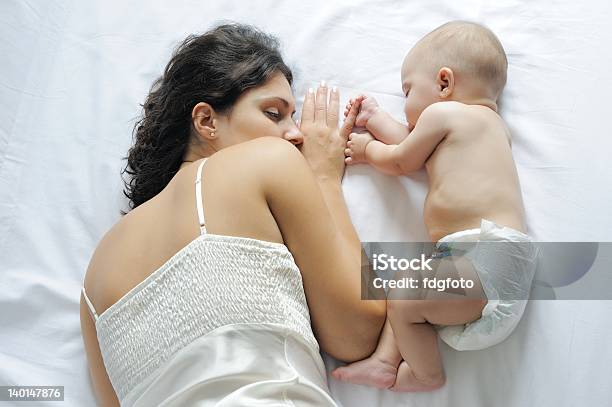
(215, 67)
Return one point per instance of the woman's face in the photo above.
(266, 110)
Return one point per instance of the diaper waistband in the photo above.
(487, 231)
(468, 235)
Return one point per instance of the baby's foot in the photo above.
(356, 146)
(406, 381)
(368, 372)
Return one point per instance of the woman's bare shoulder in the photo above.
(108, 241)
(260, 152)
(132, 247)
(258, 161)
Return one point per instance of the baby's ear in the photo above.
(446, 82)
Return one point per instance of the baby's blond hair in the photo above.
(468, 49)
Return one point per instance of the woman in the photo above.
(208, 297)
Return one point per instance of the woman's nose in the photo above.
(294, 135)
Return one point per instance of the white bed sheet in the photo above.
(73, 74)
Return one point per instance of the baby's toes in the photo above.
(348, 152)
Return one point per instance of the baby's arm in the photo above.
(378, 122)
(386, 129)
(408, 156)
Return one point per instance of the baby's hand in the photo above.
(356, 146)
(367, 107)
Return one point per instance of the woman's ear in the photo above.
(203, 118)
(446, 82)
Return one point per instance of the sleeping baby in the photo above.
(452, 79)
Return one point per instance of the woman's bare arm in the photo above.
(346, 326)
(305, 196)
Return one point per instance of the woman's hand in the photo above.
(324, 142)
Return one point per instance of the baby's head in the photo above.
(459, 61)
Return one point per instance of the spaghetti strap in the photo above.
(198, 192)
(89, 304)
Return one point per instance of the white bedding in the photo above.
(73, 74)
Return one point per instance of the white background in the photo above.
(72, 76)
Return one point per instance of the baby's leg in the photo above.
(380, 369)
(417, 339)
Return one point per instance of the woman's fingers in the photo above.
(308, 108)
(320, 114)
(333, 108)
(316, 108)
(349, 121)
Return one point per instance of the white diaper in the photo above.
(506, 271)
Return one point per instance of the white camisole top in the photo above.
(224, 322)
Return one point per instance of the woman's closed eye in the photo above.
(273, 114)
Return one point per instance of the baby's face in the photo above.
(419, 85)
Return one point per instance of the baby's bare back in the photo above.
(472, 175)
